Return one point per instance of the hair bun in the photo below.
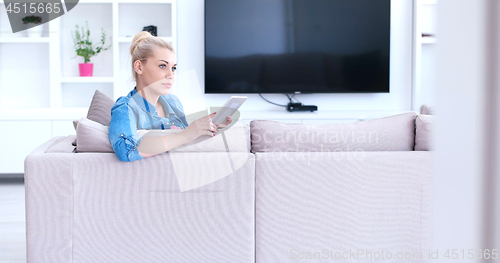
(138, 38)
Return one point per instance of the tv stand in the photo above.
(292, 106)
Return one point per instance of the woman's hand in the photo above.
(223, 125)
(201, 126)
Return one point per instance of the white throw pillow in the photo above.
(92, 137)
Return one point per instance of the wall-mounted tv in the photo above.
(291, 46)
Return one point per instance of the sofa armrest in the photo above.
(43, 147)
(48, 186)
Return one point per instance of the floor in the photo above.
(12, 221)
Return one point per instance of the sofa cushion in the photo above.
(100, 108)
(75, 123)
(92, 136)
(423, 132)
(62, 145)
(393, 133)
(427, 110)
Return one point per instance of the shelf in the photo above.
(129, 39)
(87, 79)
(24, 40)
(42, 114)
(428, 40)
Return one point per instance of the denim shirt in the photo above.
(132, 113)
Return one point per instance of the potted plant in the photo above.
(85, 48)
(33, 31)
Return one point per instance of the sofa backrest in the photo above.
(403, 132)
(393, 133)
(93, 137)
(424, 132)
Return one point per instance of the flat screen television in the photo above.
(297, 46)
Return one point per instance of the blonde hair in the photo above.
(142, 48)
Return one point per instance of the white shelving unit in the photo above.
(87, 80)
(425, 21)
(61, 83)
(40, 86)
(428, 40)
(24, 40)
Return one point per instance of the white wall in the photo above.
(464, 181)
(190, 58)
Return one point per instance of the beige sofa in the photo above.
(273, 198)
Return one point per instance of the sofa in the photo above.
(264, 192)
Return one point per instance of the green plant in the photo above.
(83, 44)
(32, 19)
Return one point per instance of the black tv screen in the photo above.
(291, 46)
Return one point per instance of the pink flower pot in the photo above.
(86, 69)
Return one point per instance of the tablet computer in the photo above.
(228, 109)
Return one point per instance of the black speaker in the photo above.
(151, 29)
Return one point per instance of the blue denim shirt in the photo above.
(133, 112)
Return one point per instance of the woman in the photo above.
(151, 106)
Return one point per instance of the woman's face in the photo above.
(158, 73)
